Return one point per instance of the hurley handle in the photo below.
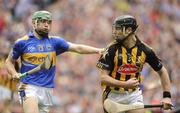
(23, 75)
(153, 106)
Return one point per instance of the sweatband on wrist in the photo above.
(166, 94)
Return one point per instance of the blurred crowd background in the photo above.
(78, 89)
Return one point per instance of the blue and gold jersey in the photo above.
(33, 51)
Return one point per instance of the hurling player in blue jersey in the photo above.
(36, 89)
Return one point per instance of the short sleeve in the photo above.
(153, 60)
(60, 45)
(17, 50)
(106, 61)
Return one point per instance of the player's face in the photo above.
(43, 26)
(119, 32)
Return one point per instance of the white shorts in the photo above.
(43, 95)
(134, 97)
(5, 93)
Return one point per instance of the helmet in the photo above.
(123, 21)
(39, 15)
(126, 21)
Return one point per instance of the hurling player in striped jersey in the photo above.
(122, 63)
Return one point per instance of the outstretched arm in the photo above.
(84, 49)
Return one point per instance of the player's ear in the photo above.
(34, 24)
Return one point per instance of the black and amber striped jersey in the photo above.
(5, 78)
(125, 63)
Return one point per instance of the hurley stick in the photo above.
(45, 65)
(113, 107)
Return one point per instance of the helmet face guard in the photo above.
(124, 21)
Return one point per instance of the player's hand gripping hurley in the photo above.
(45, 65)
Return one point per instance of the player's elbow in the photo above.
(162, 71)
(103, 78)
(79, 49)
(7, 61)
(76, 48)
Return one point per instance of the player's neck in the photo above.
(130, 41)
(37, 35)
